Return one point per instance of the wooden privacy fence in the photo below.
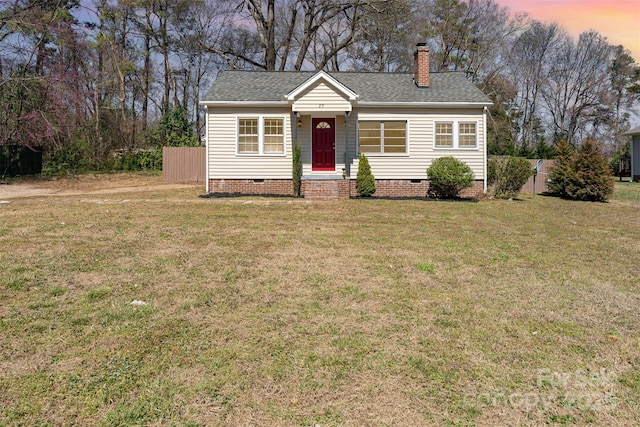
(183, 164)
(541, 179)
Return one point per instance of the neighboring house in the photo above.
(635, 153)
(402, 122)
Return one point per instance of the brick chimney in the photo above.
(421, 73)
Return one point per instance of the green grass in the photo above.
(280, 312)
(627, 191)
(427, 266)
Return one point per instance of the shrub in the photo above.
(492, 172)
(584, 175)
(508, 175)
(591, 179)
(297, 169)
(365, 181)
(72, 157)
(561, 172)
(448, 177)
(143, 160)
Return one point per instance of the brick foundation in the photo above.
(408, 188)
(265, 187)
(397, 188)
(330, 189)
(476, 191)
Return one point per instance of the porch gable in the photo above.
(321, 93)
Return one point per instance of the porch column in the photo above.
(347, 166)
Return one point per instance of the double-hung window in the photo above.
(444, 135)
(456, 134)
(382, 136)
(260, 135)
(273, 136)
(467, 135)
(248, 136)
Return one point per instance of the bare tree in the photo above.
(576, 85)
(623, 75)
(469, 36)
(196, 63)
(388, 34)
(529, 66)
(299, 32)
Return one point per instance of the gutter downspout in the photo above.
(484, 125)
(206, 149)
(347, 166)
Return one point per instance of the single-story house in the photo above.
(635, 153)
(401, 121)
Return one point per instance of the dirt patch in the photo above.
(87, 185)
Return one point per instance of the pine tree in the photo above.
(561, 172)
(591, 179)
(365, 181)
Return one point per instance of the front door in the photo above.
(323, 145)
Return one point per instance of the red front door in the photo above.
(323, 145)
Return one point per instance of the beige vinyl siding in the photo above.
(421, 141)
(321, 97)
(223, 159)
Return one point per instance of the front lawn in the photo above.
(162, 308)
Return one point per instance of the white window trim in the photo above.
(456, 135)
(382, 153)
(261, 152)
(453, 134)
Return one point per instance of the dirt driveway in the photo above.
(89, 184)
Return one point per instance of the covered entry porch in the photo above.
(325, 142)
(321, 109)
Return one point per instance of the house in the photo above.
(402, 122)
(635, 153)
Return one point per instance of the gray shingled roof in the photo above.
(272, 86)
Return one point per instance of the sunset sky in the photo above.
(618, 20)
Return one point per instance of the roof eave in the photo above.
(633, 132)
(358, 104)
(427, 104)
(244, 103)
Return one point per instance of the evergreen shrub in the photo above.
(365, 181)
(591, 179)
(582, 175)
(561, 172)
(448, 177)
(297, 169)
